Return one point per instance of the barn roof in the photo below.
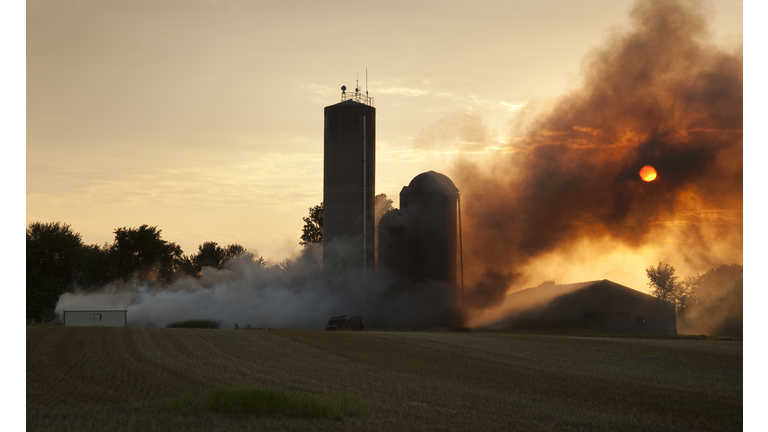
(599, 292)
(552, 291)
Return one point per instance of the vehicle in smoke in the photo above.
(196, 323)
(345, 322)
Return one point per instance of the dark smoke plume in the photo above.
(658, 94)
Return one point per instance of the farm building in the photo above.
(595, 306)
(96, 318)
(419, 249)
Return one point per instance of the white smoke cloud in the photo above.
(289, 295)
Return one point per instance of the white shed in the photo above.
(96, 318)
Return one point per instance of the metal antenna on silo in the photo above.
(366, 81)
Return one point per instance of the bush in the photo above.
(207, 324)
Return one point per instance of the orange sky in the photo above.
(204, 118)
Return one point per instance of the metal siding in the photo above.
(109, 318)
(433, 208)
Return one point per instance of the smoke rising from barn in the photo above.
(659, 94)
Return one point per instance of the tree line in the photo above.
(58, 262)
(711, 303)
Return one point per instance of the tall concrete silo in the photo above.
(349, 178)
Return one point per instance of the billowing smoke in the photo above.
(660, 94)
(287, 295)
(292, 294)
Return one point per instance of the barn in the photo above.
(96, 317)
(594, 306)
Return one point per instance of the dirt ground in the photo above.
(108, 378)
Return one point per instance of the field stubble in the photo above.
(112, 378)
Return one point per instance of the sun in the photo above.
(648, 173)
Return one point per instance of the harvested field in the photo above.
(113, 378)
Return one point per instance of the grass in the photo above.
(587, 374)
(268, 402)
(81, 378)
(200, 323)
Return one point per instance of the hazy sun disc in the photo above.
(647, 173)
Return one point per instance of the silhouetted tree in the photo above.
(140, 253)
(711, 286)
(185, 265)
(53, 253)
(711, 303)
(382, 204)
(234, 250)
(210, 254)
(717, 301)
(96, 267)
(684, 292)
(312, 232)
(663, 282)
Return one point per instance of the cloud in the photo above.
(402, 91)
(272, 180)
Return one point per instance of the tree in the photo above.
(312, 232)
(96, 269)
(685, 291)
(53, 254)
(234, 250)
(715, 283)
(185, 265)
(663, 282)
(141, 253)
(210, 254)
(713, 302)
(382, 205)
